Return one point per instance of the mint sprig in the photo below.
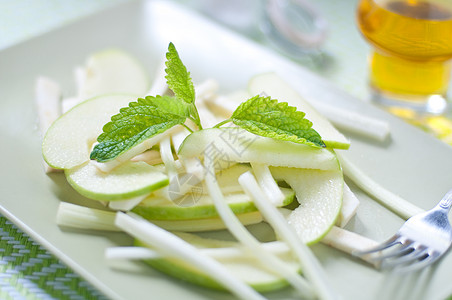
(138, 122)
(178, 78)
(179, 81)
(152, 115)
(269, 118)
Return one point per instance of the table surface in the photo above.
(27, 270)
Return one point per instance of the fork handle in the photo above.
(446, 202)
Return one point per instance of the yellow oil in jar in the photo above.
(413, 45)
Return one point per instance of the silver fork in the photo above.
(421, 241)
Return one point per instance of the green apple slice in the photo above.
(233, 144)
(320, 196)
(113, 71)
(275, 87)
(69, 140)
(245, 267)
(206, 224)
(129, 180)
(159, 208)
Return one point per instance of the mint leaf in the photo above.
(270, 118)
(178, 78)
(171, 105)
(138, 122)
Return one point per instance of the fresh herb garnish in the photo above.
(180, 82)
(270, 118)
(136, 123)
(152, 115)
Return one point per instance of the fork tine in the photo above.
(417, 254)
(405, 249)
(423, 261)
(394, 240)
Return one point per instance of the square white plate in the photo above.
(411, 164)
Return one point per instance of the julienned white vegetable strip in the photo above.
(208, 119)
(80, 81)
(126, 205)
(167, 157)
(131, 252)
(151, 157)
(174, 246)
(349, 242)
(229, 253)
(393, 202)
(179, 137)
(193, 166)
(309, 264)
(349, 206)
(205, 91)
(237, 229)
(47, 98)
(68, 103)
(76, 216)
(354, 122)
(267, 183)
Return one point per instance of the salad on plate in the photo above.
(175, 161)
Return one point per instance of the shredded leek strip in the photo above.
(349, 207)
(349, 242)
(167, 157)
(81, 217)
(47, 99)
(271, 262)
(229, 253)
(151, 157)
(127, 204)
(312, 269)
(179, 137)
(205, 91)
(171, 245)
(354, 122)
(396, 204)
(132, 252)
(267, 183)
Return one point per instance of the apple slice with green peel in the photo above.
(69, 140)
(129, 180)
(197, 203)
(206, 224)
(245, 267)
(159, 208)
(113, 71)
(320, 196)
(272, 85)
(233, 144)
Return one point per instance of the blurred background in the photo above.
(340, 54)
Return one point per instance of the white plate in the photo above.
(412, 164)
